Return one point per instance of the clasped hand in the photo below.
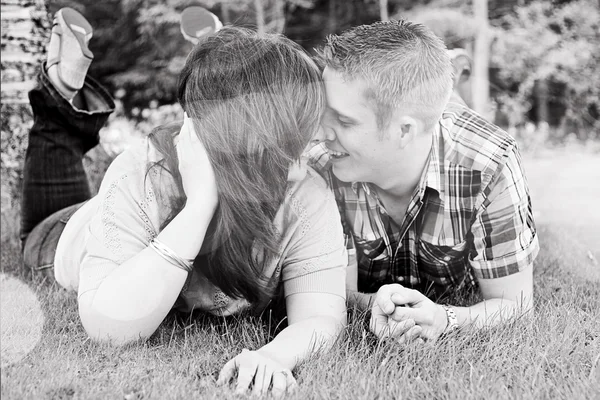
(406, 315)
(258, 371)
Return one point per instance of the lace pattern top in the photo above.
(132, 204)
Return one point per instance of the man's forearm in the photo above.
(491, 312)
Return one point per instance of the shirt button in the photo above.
(400, 279)
(447, 258)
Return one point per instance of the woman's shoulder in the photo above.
(132, 167)
(312, 184)
(309, 198)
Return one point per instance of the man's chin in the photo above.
(342, 174)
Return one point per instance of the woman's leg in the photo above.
(53, 176)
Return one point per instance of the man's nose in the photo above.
(324, 133)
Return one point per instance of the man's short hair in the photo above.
(403, 63)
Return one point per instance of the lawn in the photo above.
(554, 355)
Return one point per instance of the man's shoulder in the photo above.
(472, 142)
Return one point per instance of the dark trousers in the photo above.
(54, 181)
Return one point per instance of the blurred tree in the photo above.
(139, 49)
(260, 16)
(25, 29)
(383, 10)
(481, 59)
(556, 52)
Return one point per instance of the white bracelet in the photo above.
(169, 255)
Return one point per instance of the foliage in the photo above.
(138, 45)
(16, 121)
(560, 45)
(457, 27)
(139, 49)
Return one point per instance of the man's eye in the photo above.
(345, 124)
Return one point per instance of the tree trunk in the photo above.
(383, 10)
(225, 17)
(25, 30)
(260, 17)
(542, 99)
(332, 17)
(278, 22)
(481, 57)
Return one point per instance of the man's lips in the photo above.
(336, 154)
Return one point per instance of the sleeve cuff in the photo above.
(330, 281)
(505, 266)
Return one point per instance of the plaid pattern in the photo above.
(470, 216)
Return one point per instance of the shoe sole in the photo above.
(75, 56)
(197, 22)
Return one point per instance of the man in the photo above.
(432, 196)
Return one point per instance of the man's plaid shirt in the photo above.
(470, 216)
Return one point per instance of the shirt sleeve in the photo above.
(123, 225)
(504, 234)
(317, 259)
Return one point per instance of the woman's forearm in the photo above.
(133, 300)
(363, 302)
(299, 340)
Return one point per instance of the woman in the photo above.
(203, 216)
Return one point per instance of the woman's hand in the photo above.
(197, 174)
(259, 371)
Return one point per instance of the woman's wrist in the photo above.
(286, 362)
(185, 233)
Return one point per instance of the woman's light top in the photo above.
(132, 203)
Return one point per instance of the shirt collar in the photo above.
(433, 176)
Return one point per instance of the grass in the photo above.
(554, 355)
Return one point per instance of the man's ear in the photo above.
(408, 130)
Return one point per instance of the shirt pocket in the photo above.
(443, 265)
(373, 264)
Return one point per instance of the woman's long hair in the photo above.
(255, 101)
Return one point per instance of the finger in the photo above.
(402, 313)
(406, 297)
(291, 383)
(279, 384)
(262, 380)
(182, 141)
(378, 323)
(397, 329)
(246, 372)
(383, 297)
(411, 335)
(227, 372)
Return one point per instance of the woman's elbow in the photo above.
(103, 328)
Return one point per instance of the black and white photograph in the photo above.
(300, 199)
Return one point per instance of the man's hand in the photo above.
(383, 325)
(260, 372)
(406, 314)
